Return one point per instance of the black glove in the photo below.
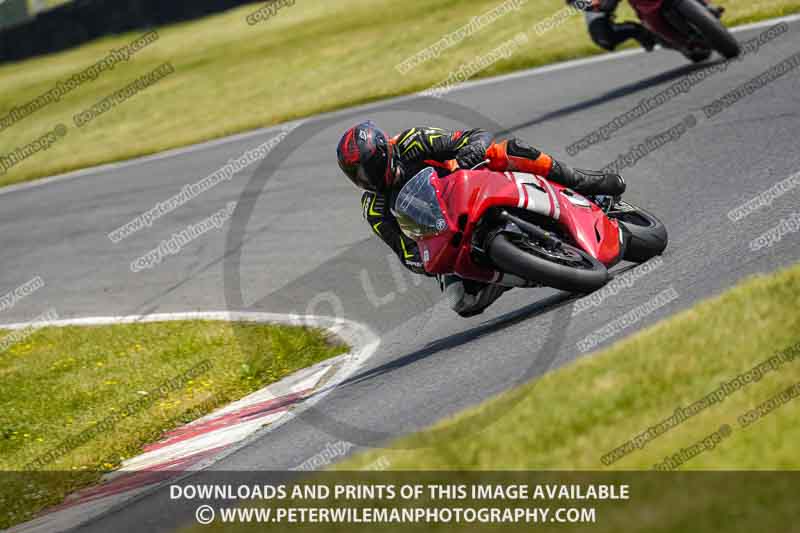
(471, 155)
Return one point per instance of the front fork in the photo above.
(503, 222)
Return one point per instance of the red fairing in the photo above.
(468, 193)
(592, 230)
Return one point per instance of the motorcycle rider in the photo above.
(381, 165)
(608, 34)
(604, 31)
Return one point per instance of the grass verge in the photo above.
(310, 57)
(569, 419)
(60, 383)
(555, 431)
(572, 418)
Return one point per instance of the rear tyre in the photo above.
(645, 236)
(568, 269)
(717, 35)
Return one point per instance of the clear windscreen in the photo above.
(417, 207)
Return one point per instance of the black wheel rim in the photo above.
(565, 255)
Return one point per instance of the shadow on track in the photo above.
(494, 325)
(620, 92)
(450, 342)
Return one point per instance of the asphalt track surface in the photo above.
(305, 237)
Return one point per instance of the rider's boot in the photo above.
(515, 155)
(469, 298)
(608, 34)
(587, 182)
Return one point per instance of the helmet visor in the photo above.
(372, 174)
(358, 176)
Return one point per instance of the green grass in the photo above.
(556, 429)
(311, 57)
(569, 418)
(60, 382)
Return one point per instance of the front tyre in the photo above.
(710, 27)
(566, 268)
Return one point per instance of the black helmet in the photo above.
(367, 157)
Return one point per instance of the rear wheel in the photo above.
(710, 27)
(645, 236)
(565, 267)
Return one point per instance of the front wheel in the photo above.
(710, 27)
(566, 268)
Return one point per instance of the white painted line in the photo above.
(365, 107)
(766, 23)
(611, 56)
(141, 160)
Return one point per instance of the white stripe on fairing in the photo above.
(553, 198)
(520, 192)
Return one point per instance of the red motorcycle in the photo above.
(692, 26)
(521, 230)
